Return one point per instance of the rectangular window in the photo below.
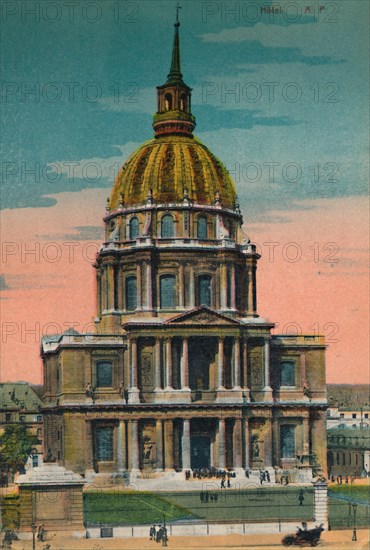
(39, 418)
(8, 417)
(104, 444)
(287, 441)
(343, 459)
(287, 373)
(167, 291)
(35, 461)
(354, 415)
(338, 457)
(341, 415)
(104, 374)
(366, 415)
(22, 418)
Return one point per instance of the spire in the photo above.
(175, 76)
(173, 115)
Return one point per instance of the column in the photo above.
(168, 444)
(246, 442)
(275, 442)
(302, 364)
(223, 285)
(237, 443)
(266, 359)
(220, 364)
(110, 287)
(149, 293)
(221, 443)
(133, 392)
(254, 279)
(134, 444)
(318, 435)
(121, 287)
(181, 286)
(139, 304)
(268, 442)
(168, 385)
(157, 364)
(191, 287)
(245, 364)
(233, 287)
(121, 445)
(185, 365)
(159, 441)
(88, 447)
(236, 364)
(185, 444)
(250, 291)
(306, 435)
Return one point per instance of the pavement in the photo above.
(334, 540)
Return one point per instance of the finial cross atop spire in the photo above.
(178, 7)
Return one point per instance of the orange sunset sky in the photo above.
(52, 284)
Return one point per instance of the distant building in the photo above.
(349, 406)
(348, 451)
(20, 404)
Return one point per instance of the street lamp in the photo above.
(34, 529)
(354, 536)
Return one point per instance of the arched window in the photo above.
(183, 102)
(287, 373)
(134, 228)
(131, 293)
(167, 291)
(202, 227)
(167, 227)
(287, 441)
(204, 290)
(168, 102)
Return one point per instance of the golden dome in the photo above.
(170, 166)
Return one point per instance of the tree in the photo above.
(16, 444)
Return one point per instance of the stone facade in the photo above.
(182, 372)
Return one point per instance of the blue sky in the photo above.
(299, 104)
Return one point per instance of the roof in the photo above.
(168, 167)
(19, 395)
(348, 396)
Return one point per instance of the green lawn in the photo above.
(341, 498)
(231, 505)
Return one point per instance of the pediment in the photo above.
(202, 316)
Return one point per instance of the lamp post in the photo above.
(354, 536)
(34, 529)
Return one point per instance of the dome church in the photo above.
(181, 373)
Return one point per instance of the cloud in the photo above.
(37, 281)
(3, 285)
(80, 233)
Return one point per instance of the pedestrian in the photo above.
(164, 536)
(223, 483)
(228, 484)
(40, 533)
(267, 476)
(152, 533)
(301, 497)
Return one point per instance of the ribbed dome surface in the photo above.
(168, 165)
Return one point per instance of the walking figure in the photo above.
(223, 483)
(40, 533)
(301, 497)
(152, 533)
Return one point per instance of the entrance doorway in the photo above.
(200, 448)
